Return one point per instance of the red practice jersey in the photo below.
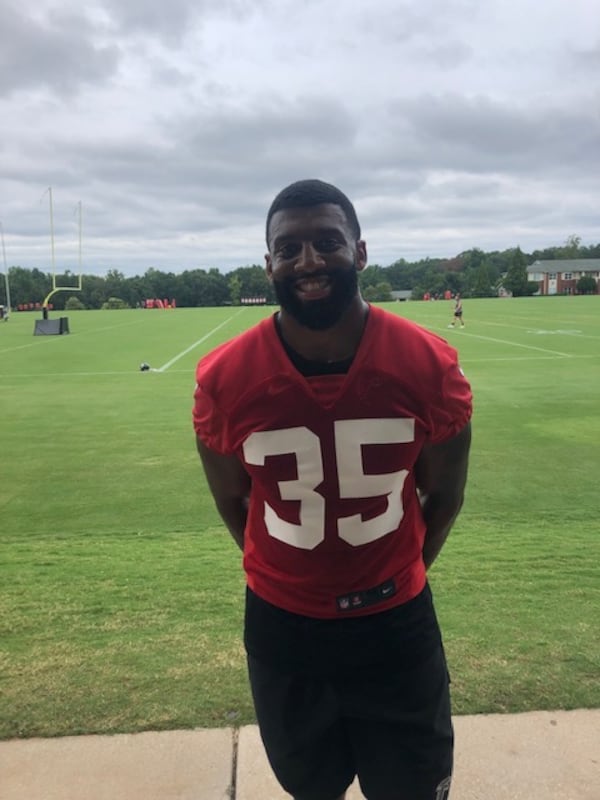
(334, 524)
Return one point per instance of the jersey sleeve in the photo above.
(209, 421)
(455, 407)
(227, 380)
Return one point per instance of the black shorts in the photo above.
(367, 696)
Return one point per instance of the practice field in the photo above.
(121, 595)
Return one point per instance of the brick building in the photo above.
(560, 276)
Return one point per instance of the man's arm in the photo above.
(230, 486)
(441, 475)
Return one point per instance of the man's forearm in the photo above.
(234, 513)
(229, 484)
(439, 514)
(441, 475)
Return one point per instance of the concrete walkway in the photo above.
(534, 756)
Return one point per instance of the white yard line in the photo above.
(541, 331)
(183, 353)
(486, 360)
(512, 344)
(62, 375)
(514, 359)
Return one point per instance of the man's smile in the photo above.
(313, 287)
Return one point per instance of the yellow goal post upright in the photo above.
(56, 288)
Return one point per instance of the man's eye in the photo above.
(326, 245)
(288, 250)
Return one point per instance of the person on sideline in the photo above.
(458, 312)
(335, 437)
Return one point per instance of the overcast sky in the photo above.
(451, 124)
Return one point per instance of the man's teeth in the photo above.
(312, 284)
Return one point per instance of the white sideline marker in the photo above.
(183, 353)
(514, 344)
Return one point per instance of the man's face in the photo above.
(313, 261)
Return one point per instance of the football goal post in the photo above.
(55, 287)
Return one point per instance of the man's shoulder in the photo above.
(395, 331)
(229, 355)
(408, 355)
(244, 367)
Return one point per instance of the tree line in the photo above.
(473, 273)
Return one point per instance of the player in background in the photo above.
(458, 312)
(335, 437)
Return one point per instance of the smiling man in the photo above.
(335, 438)
(320, 295)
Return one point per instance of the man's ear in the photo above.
(361, 255)
(269, 266)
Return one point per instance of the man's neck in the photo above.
(337, 343)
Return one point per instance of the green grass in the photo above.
(121, 596)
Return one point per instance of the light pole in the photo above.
(8, 307)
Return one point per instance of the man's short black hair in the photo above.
(313, 192)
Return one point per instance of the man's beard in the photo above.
(318, 315)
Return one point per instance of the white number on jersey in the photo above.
(350, 437)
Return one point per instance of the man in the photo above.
(458, 312)
(335, 437)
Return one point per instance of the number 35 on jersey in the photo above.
(350, 437)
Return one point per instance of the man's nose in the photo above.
(309, 258)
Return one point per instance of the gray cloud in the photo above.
(171, 21)
(57, 51)
(586, 59)
(479, 135)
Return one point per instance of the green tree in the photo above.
(570, 249)
(235, 290)
(73, 303)
(216, 289)
(371, 276)
(254, 282)
(157, 284)
(380, 293)
(114, 283)
(515, 280)
(402, 275)
(28, 285)
(587, 285)
(481, 282)
(189, 288)
(93, 291)
(114, 303)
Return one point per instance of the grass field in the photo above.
(121, 594)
